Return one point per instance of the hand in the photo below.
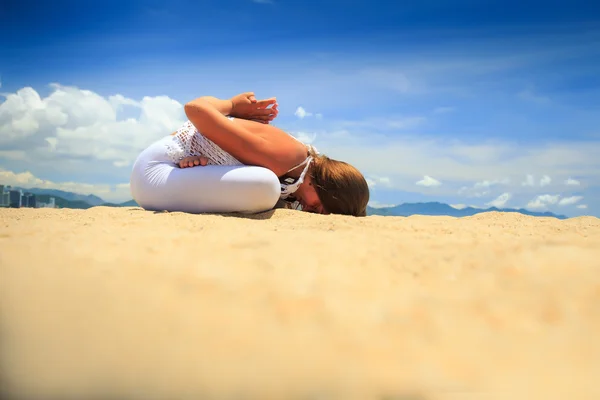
(246, 106)
(193, 161)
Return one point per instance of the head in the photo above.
(334, 187)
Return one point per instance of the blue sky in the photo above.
(466, 102)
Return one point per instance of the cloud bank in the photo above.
(76, 135)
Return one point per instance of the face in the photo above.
(309, 199)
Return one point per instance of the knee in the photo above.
(267, 190)
(271, 187)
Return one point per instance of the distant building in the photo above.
(28, 200)
(5, 195)
(15, 198)
(51, 203)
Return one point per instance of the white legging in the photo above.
(158, 184)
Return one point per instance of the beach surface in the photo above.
(122, 303)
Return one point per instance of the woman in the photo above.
(227, 158)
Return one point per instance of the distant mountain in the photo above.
(73, 200)
(63, 203)
(89, 199)
(130, 203)
(435, 208)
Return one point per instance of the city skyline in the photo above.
(18, 198)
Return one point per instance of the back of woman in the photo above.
(189, 141)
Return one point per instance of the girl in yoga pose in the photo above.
(227, 158)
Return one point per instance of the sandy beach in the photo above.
(121, 303)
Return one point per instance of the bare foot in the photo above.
(193, 161)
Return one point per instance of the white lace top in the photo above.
(188, 141)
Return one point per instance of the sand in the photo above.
(121, 303)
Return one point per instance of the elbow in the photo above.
(195, 107)
(192, 108)
(196, 114)
(188, 108)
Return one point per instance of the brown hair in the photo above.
(341, 188)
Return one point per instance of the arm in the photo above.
(223, 106)
(245, 106)
(208, 116)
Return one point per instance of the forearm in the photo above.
(222, 106)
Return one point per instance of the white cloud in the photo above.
(27, 180)
(457, 163)
(545, 181)
(117, 101)
(572, 182)
(546, 200)
(318, 116)
(500, 201)
(22, 113)
(543, 201)
(74, 123)
(487, 183)
(582, 206)
(391, 123)
(76, 133)
(52, 142)
(378, 180)
(472, 192)
(482, 188)
(529, 181)
(302, 113)
(428, 181)
(567, 201)
(376, 204)
(305, 137)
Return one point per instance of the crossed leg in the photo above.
(161, 186)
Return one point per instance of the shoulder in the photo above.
(284, 150)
